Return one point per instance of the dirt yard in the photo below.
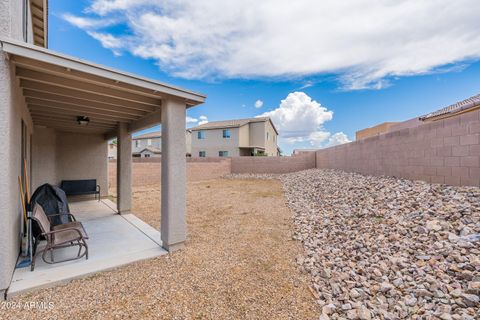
(239, 262)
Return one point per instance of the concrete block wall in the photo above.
(147, 171)
(444, 151)
(273, 164)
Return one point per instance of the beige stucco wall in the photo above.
(12, 111)
(271, 143)
(82, 156)
(61, 156)
(257, 134)
(244, 136)
(188, 140)
(44, 157)
(214, 142)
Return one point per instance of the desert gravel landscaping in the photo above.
(238, 263)
(386, 248)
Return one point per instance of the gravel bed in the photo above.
(387, 248)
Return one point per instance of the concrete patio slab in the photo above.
(114, 240)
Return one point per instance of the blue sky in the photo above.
(374, 80)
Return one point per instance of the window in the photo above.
(267, 136)
(202, 154)
(147, 155)
(137, 143)
(223, 153)
(201, 135)
(149, 142)
(226, 133)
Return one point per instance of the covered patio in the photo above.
(75, 108)
(114, 240)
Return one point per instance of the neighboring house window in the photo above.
(202, 154)
(137, 143)
(201, 135)
(149, 142)
(147, 155)
(226, 133)
(223, 153)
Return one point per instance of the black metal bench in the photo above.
(81, 187)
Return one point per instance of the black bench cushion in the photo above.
(79, 187)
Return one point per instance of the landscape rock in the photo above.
(387, 248)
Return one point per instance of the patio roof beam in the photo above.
(84, 86)
(90, 104)
(147, 121)
(28, 93)
(82, 111)
(79, 75)
(60, 112)
(72, 92)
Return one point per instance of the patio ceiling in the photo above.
(58, 89)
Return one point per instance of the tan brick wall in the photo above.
(444, 151)
(147, 171)
(273, 164)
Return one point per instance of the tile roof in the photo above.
(150, 135)
(471, 102)
(231, 123)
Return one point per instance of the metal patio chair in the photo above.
(65, 235)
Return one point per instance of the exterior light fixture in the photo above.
(83, 120)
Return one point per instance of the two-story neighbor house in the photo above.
(147, 145)
(150, 144)
(233, 138)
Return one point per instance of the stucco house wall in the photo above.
(69, 156)
(12, 111)
(214, 142)
(271, 142)
(257, 134)
(44, 158)
(82, 156)
(244, 136)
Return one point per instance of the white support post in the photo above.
(124, 169)
(173, 223)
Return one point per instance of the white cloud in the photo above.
(258, 104)
(365, 43)
(298, 116)
(317, 138)
(336, 139)
(108, 41)
(191, 120)
(299, 119)
(87, 23)
(202, 120)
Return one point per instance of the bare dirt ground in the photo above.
(239, 262)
